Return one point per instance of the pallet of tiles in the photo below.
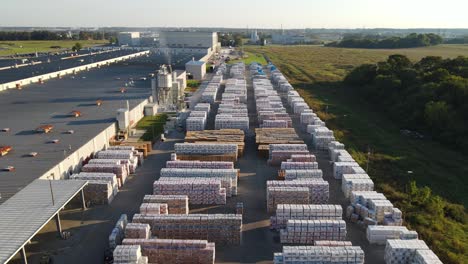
(226, 183)
(161, 251)
(285, 212)
(319, 255)
(402, 251)
(223, 229)
(340, 168)
(275, 124)
(177, 204)
(290, 175)
(286, 195)
(289, 165)
(196, 164)
(232, 122)
(240, 145)
(153, 208)
(195, 123)
(318, 188)
(308, 231)
(129, 254)
(202, 107)
(199, 191)
(99, 190)
(303, 158)
(130, 167)
(137, 230)
(356, 182)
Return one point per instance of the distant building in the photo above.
(129, 38)
(285, 39)
(254, 37)
(196, 68)
(186, 39)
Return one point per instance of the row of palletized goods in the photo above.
(270, 110)
(195, 164)
(211, 90)
(320, 255)
(223, 229)
(205, 149)
(228, 177)
(409, 252)
(280, 81)
(282, 152)
(130, 254)
(199, 190)
(293, 174)
(108, 172)
(174, 251)
(176, 204)
(308, 231)
(196, 120)
(380, 234)
(290, 192)
(285, 212)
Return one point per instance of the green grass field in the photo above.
(154, 126)
(250, 57)
(316, 72)
(12, 47)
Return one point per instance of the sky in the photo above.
(236, 13)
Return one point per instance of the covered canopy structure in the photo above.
(28, 211)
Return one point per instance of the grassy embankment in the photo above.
(250, 57)
(316, 72)
(154, 126)
(192, 86)
(12, 47)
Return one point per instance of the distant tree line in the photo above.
(430, 96)
(372, 42)
(461, 40)
(231, 39)
(53, 35)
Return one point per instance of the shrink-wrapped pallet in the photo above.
(319, 255)
(425, 256)
(286, 195)
(177, 204)
(196, 164)
(308, 231)
(285, 212)
(378, 234)
(356, 182)
(290, 175)
(340, 168)
(318, 188)
(153, 208)
(175, 250)
(130, 167)
(223, 229)
(129, 254)
(226, 182)
(119, 170)
(199, 191)
(205, 149)
(289, 165)
(195, 123)
(137, 230)
(402, 251)
(303, 158)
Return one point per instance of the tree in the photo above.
(437, 114)
(77, 47)
(362, 75)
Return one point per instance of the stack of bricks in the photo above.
(160, 251)
(223, 229)
(129, 254)
(320, 255)
(177, 204)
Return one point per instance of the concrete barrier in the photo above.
(51, 75)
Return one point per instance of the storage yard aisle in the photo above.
(258, 242)
(373, 253)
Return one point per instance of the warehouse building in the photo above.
(196, 68)
(285, 39)
(129, 38)
(185, 39)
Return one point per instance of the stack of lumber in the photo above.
(267, 136)
(175, 251)
(218, 136)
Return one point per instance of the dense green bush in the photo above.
(370, 42)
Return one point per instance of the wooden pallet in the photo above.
(222, 136)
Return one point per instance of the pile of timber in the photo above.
(266, 136)
(222, 136)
